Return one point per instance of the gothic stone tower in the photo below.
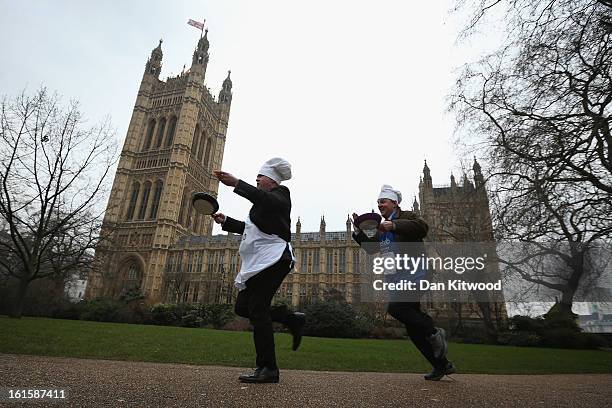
(175, 138)
(456, 212)
(460, 213)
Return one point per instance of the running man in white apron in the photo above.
(266, 258)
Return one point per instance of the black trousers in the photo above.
(254, 302)
(419, 326)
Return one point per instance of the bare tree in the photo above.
(540, 107)
(468, 227)
(52, 175)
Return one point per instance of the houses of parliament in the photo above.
(158, 244)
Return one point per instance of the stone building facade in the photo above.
(175, 138)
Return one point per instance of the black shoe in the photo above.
(260, 375)
(438, 343)
(295, 325)
(438, 373)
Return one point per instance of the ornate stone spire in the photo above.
(200, 55)
(225, 96)
(478, 178)
(154, 62)
(426, 172)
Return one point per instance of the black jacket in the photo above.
(271, 211)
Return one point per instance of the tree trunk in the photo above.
(567, 296)
(458, 329)
(19, 300)
(490, 328)
(566, 303)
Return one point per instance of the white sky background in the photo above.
(352, 93)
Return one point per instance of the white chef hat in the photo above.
(277, 169)
(386, 191)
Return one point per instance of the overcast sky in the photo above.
(352, 94)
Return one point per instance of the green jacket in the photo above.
(408, 227)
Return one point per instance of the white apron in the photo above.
(258, 251)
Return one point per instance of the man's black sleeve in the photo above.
(232, 225)
(274, 199)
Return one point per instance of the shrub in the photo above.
(163, 314)
(182, 309)
(518, 339)
(594, 341)
(381, 332)
(100, 310)
(67, 310)
(553, 330)
(475, 336)
(567, 338)
(136, 312)
(333, 319)
(216, 315)
(238, 324)
(190, 315)
(526, 324)
(191, 319)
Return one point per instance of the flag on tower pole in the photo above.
(197, 24)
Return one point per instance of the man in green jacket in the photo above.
(405, 226)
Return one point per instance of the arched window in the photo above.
(133, 199)
(156, 197)
(196, 141)
(182, 209)
(144, 200)
(201, 148)
(196, 222)
(206, 162)
(189, 221)
(160, 132)
(149, 137)
(132, 276)
(171, 130)
(356, 264)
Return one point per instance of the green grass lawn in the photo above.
(112, 341)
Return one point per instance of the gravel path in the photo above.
(102, 383)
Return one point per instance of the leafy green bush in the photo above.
(518, 339)
(475, 336)
(334, 319)
(67, 310)
(136, 312)
(163, 314)
(382, 332)
(594, 341)
(100, 310)
(191, 319)
(552, 330)
(526, 324)
(191, 315)
(216, 315)
(567, 338)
